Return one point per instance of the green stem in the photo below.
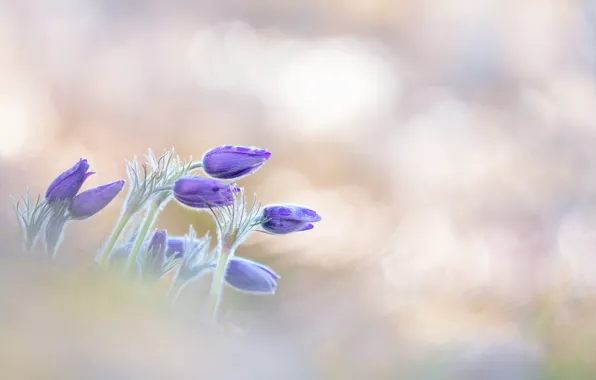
(217, 285)
(195, 166)
(147, 224)
(105, 255)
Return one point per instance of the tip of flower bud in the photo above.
(227, 162)
(284, 219)
(66, 185)
(307, 227)
(265, 154)
(92, 201)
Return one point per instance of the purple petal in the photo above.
(175, 246)
(199, 192)
(283, 226)
(227, 162)
(158, 240)
(249, 276)
(68, 184)
(307, 227)
(92, 201)
(291, 212)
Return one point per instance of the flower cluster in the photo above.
(63, 203)
(155, 256)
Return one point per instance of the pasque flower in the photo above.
(241, 274)
(68, 184)
(227, 162)
(284, 219)
(251, 277)
(155, 255)
(199, 192)
(92, 201)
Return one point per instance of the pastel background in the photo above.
(448, 145)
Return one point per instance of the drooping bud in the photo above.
(92, 201)
(285, 219)
(250, 277)
(199, 192)
(241, 274)
(68, 184)
(227, 162)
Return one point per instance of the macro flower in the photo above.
(92, 201)
(227, 162)
(250, 277)
(199, 192)
(285, 219)
(68, 184)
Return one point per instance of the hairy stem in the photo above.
(54, 241)
(217, 285)
(147, 224)
(105, 255)
(195, 166)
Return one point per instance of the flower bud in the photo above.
(156, 253)
(175, 246)
(158, 244)
(199, 192)
(92, 201)
(251, 277)
(285, 219)
(227, 162)
(68, 184)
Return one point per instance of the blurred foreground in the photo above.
(60, 321)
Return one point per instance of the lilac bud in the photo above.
(199, 192)
(285, 219)
(158, 243)
(227, 162)
(175, 246)
(68, 184)
(251, 277)
(156, 252)
(92, 201)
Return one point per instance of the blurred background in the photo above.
(448, 145)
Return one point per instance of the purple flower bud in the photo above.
(199, 192)
(92, 201)
(68, 184)
(285, 219)
(156, 252)
(251, 277)
(227, 162)
(158, 242)
(175, 246)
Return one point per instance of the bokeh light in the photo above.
(449, 147)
